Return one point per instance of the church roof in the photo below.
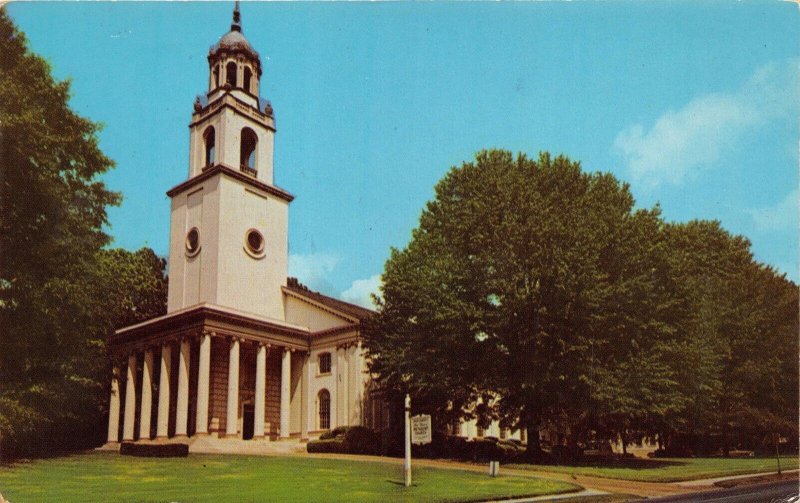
(234, 40)
(353, 310)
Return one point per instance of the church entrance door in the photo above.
(248, 422)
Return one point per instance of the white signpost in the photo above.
(421, 429)
(407, 461)
(418, 431)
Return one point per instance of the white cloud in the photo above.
(780, 216)
(695, 136)
(361, 289)
(313, 269)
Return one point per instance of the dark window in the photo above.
(230, 74)
(325, 363)
(209, 138)
(216, 76)
(247, 152)
(255, 242)
(193, 241)
(248, 74)
(324, 405)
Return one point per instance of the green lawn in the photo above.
(670, 470)
(109, 477)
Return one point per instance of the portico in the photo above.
(262, 367)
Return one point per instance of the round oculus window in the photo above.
(192, 241)
(254, 242)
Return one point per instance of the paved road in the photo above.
(785, 491)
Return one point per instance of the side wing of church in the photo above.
(243, 351)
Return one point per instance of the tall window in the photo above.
(209, 139)
(216, 76)
(248, 74)
(247, 153)
(325, 363)
(324, 407)
(230, 74)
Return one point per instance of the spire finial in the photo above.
(237, 18)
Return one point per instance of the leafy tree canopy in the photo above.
(60, 292)
(536, 293)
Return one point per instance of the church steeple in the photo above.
(237, 18)
(239, 135)
(228, 238)
(233, 47)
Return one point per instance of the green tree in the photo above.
(528, 282)
(735, 326)
(56, 306)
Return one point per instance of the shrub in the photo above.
(346, 440)
(361, 440)
(154, 450)
(326, 445)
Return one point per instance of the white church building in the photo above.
(244, 352)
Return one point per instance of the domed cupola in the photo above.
(233, 62)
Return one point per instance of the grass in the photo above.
(669, 470)
(109, 477)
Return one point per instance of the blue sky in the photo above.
(695, 104)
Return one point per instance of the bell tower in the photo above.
(229, 222)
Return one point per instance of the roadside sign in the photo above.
(421, 429)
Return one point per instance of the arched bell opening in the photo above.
(247, 152)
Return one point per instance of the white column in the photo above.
(130, 399)
(113, 406)
(343, 381)
(261, 388)
(147, 395)
(340, 389)
(232, 421)
(304, 398)
(286, 381)
(356, 385)
(182, 412)
(162, 430)
(203, 375)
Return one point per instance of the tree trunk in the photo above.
(534, 449)
(624, 439)
(726, 447)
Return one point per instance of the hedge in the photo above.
(361, 440)
(154, 450)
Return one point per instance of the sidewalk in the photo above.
(710, 482)
(552, 497)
